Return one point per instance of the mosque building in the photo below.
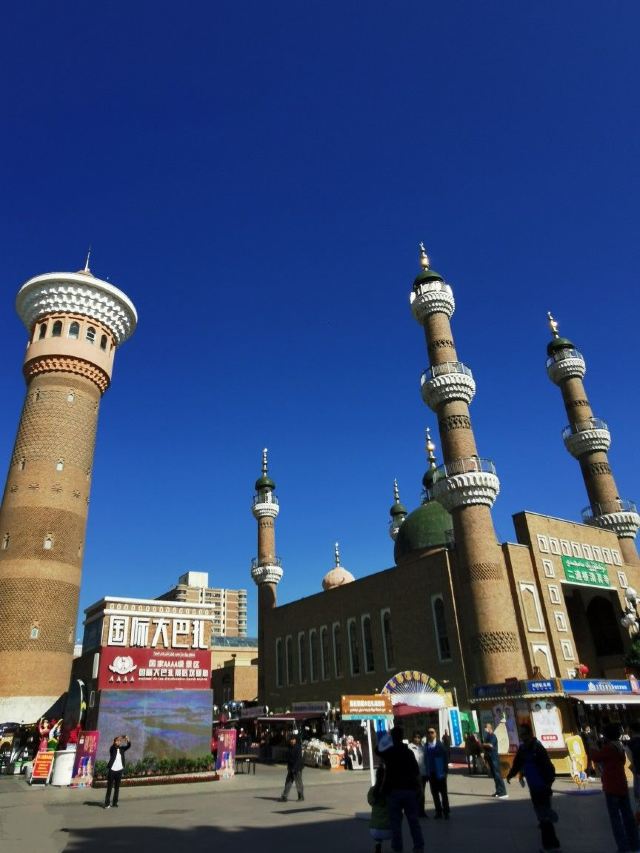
(483, 619)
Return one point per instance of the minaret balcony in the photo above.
(265, 505)
(263, 572)
(431, 297)
(566, 364)
(442, 383)
(465, 482)
(619, 516)
(589, 436)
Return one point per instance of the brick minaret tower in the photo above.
(266, 570)
(588, 439)
(467, 486)
(75, 323)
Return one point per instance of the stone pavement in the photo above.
(243, 814)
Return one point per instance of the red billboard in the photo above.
(154, 669)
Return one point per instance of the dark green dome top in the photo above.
(427, 275)
(398, 509)
(425, 527)
(264, 483)
(558, 344)
(427, 480)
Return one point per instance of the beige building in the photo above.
(229, 605)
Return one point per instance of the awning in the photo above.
(623, 699)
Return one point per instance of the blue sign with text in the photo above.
(596, 685)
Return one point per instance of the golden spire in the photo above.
(430, 447)
(424, 258)
(553, 324)
(337, 555)
(264, 462)
(396, 492)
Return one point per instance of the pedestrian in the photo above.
(417, 748)
(490, 746)
(115, 768)
(633, 748)
(402, 786)
(612, 758)
(436, 759)
(295, 766)
(472, 752)
(380, 823)
(589, 741)
(533, 762)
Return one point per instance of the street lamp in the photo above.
(630, 619)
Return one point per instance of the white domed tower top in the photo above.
(338, 576)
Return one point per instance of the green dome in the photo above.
(428, 526)
(265, 483)
(427, 480)
(398, 509)
(558, 344)
(428, 275)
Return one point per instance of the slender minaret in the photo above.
(75, 323)
(266, 570)
(397, 512)
(588, 439)
(466, 486)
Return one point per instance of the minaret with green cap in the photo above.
(587, 439)
(466, 485)
(266, 570)
(397, 512)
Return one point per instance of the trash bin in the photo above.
(63, 767)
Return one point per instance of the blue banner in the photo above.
(546, 685)
(595, 685)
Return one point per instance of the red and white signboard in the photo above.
(154, 669)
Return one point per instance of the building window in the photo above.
(567, 649)
(71, 397)
(5, 541)
(576, 550)
(561, 622)
(588, 553)
(313, 655)
(606, 556)
(48, 543)
(279, 662)
(554, 546)
(440, 625)
(597, 553)
(57, 329)
(543, 545)
(74, 330)
(387, 639)
(91, 335)
(554, 594)
(367, 645)
(531, 607)
(302, 657)
(34, 633)
(60, 465)
(354, 651)
(622, 580)
(337, 650)
(80, 550)
(103, 342)
(324, 652)
(616, 557)
(565, 547)
(549, 571)
(43, 331)
(36, 395)
(542, 659)
(22, 463)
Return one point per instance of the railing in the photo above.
(582, 426)
(468, 465)
(444, 369)
(264, 497)
(563, 354)
(596, 510)
(256, 562)
(431, 285)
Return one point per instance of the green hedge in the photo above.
(151, 766)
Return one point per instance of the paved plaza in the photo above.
(243, 814)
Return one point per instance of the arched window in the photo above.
(57, 329)
(71, 397)
(313, 654)
(43, 331)
(387, 638)
(440, 625)
(60, 465)
(34, 633)
(21, 463)
(279, 662)
(289, 650)
(337, 650)
(604, 627)
(103, 342)
(302, 657)
(354, 650)
(74, 330)
(91, 335)
(367, 645)
(324, 652)
(5, 541)
(48, 542)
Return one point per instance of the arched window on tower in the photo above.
(387, 639)
(367, 644)
(440, 625)
(289, 651)
(22, 463)
(48, 542)
(103, 342)
(279, 662)
(5, 541)
(60, 465)
(91, 335)
(43, 331)
(34, 631)
(302, 657)
(57, 329)
(324, 653)
(74, 330)
(337, 650)
(313, 654)
(354, 649)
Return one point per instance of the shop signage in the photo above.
(547, 723)
(42, 766)
(252, 713)
(310, 707)
(585, 572)
(547, 685)
(85, 759)
(493, 691)
(157, 632)
(366, 707)
(153, 669)
(592, 685)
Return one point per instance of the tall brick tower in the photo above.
(75, 322)
(266, 570)
(467, 486)
(588, 440)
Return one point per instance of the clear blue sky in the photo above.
(256, 177)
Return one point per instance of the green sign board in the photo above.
(585, 572)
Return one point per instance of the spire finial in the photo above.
(553, 324)
(337, 554)
(264, 462)
(424, 258)
(431, 456)
(86, 263)
(396, 492)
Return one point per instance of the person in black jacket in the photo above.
(402, 786)
(114, 769)
(295, 766)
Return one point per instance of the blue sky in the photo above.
(256, 177)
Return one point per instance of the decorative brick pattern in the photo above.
(62, 364)
(495, 642)
(440, 343)
(36, 601)
(455, 422)
(485, 572)
(28, 526)
(597, 468)
(577, 404)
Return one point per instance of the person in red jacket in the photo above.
(611, 757)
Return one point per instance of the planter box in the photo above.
(175, 779)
